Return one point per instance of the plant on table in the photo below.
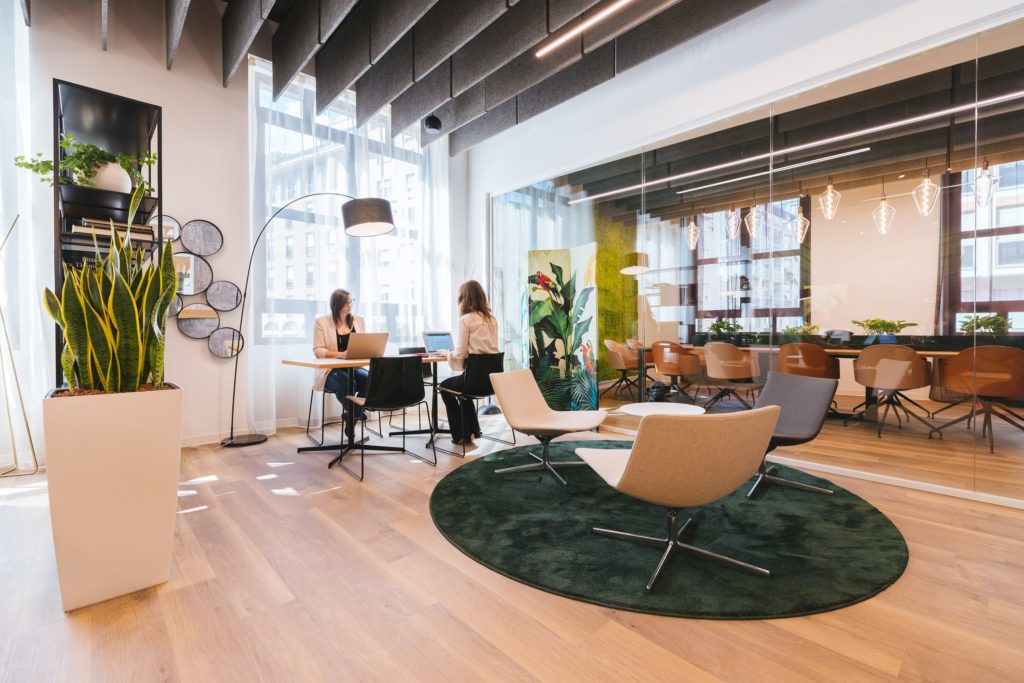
(882, 326)
(805, 328)
(724, 328)
(82, 160)
(993, 324)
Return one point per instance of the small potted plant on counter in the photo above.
(992, 325)
(724, 329)
(92, 166)
(800, 332)
(886, 330)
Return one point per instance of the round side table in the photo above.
(660, 408)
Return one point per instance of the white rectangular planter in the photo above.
(112, 468)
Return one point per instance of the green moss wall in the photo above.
(616, 293)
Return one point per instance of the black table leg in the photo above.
(641, 374)
(435, 427)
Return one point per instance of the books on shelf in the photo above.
(138, 235)
(105, 224)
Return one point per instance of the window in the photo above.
(967, 255)
(289, 277)
(289, 247)
(310, 244)
(310, 275)
(1010, 252)
(332, 237)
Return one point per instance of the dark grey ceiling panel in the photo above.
(344, 57)
(503, 40)
(491, 123)
(26, 10)
(174, 23)
(388, 79)
(678, 24)
(332, 12)
(461, 110)
(295, 42)
(561, 12)
(526, 70)
(449, 25)
(634, 14)
(241, 22)
(594, 69)
(390, 20)
(426, 95)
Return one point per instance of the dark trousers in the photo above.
(337, 384)
(462, 418)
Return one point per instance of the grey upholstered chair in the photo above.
(526, 411)
(682, 461)
(805, 402)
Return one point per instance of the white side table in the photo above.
(660, 408)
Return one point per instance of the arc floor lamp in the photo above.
(366, 217)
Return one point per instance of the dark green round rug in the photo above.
(824, 552)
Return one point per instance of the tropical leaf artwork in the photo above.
(562, 330)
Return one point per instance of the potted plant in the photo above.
(92, 166)
(993, 325)
(113, 436)
(723, 329)
(885, 329)
(800, 331)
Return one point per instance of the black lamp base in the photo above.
(243, 440)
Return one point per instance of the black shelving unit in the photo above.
(120, 125)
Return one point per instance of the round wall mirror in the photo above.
(224, 295)
(176, 305)
(172, 228)
(226, 342)
(198, 321)
(201, 237)
(194, 273)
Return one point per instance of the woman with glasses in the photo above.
(330, 340)
(478, 333)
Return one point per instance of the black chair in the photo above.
(428, 381)
(396, 383)
(477, 385)
(805, 402)
(323, 416)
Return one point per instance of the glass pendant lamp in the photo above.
(734, 224)
(884, 213)
(755, 219)
(925, 194)
(984, 184)
(829, 200)
(692, 234)
(800, 224)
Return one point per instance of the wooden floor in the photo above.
(285, 571)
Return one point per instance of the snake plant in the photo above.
(113, 313)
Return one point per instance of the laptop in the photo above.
(364, 345)
(435, 341)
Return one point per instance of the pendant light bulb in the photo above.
(883, 215)
(692, 234)
(754, 220)
(734, 224)
(984, 184)
(800, 224)
(925, 194)
(829, 200)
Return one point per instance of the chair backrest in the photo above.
(728, 361)
(672, 359)
(804, 402)
(891, 366)
(478, 368)
(809, 360)
(618, 355)
(395, 382)
(988, 371)
(520, 399)
(408, 350)
(684, 460)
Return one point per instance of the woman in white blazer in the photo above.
(330, 340)
(478, 333)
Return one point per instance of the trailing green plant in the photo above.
(882, 326)
(82, 160)
(992, 324)
(805, 328)
(724, 328)
(113, 313)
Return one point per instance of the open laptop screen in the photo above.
(435, 341)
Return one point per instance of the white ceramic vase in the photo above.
(111, 176)
(112, 469)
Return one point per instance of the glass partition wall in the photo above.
(879, 220)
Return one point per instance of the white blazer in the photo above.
(325, 338)
(476, 335)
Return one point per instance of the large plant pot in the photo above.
(111, 176)
(112, 465)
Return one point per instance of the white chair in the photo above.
(681, 461)
(526, 411)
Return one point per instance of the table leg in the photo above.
(435, 425)
(641, 375)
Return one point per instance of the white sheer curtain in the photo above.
(401, 282)
(24, 261)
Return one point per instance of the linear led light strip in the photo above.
(581, 27)
(809, 145)
(861, 150)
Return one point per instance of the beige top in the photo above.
(325, 338)
(476, 335)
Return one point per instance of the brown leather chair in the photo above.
(988, 374)
(675, 362)
(625, 363)
(731, 369)
(892, 369)
(808, 360)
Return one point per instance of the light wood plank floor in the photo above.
(285, 571)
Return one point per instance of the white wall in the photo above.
(780, 49)
(205, 142)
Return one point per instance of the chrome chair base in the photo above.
(542, 464)
(766, 476)
(673, 542)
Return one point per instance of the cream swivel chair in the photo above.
(526, 411)
(892, 369)
(730, 369)
(682, 461)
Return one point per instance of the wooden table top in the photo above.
(838, 352)
(332, 363)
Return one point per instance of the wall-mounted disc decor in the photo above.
(194, 273)
(172, 228)
(226, 342)
(176, 305)
(224, 295)
(198, 321)
(202, 238)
